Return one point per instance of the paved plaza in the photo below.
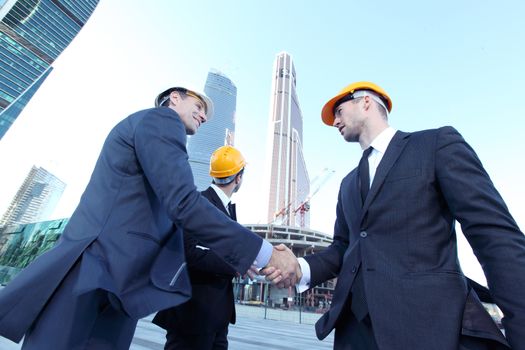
(280, 330)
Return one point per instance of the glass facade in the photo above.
(218, 131)
(32, 35)
(289, 181)
(21, 244)
(8, 117)
(36, 198)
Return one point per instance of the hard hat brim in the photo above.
(327, 113)
(209, 104)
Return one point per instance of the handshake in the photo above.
(283, 269)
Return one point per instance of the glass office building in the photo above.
(21, 244)
(36, 199)
(218, 131)
(33, 33)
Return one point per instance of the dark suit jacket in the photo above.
(403, 239)
(211, 306)
(122, 230)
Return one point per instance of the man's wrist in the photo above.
(264, 255)
(304, 282)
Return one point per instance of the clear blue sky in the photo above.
(457, 63)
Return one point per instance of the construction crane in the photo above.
(304, 206)
(317, 183)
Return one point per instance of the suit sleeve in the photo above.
(327, 264)
(160, 148)
(496, 240)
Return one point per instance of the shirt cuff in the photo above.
(265, 253)
(304, 283)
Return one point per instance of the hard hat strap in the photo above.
(164, 99)
(373, 96)
(224, 180)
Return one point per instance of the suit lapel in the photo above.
(394, 150)
(214, 198)
(354, 186)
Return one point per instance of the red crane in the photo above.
(304, 206)
(317, 183)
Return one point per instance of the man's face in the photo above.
(349, 120)
(190, 109)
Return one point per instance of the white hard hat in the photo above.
(208, 104)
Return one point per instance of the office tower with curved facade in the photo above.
(33, 33)
(218, 131)
(288, 177)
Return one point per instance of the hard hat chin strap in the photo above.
(224, 180)
(373, 96)
(161, 103)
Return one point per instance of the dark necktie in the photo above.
(364, 174)
(231, 210)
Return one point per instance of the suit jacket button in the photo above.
(354, 269)
(363, 234)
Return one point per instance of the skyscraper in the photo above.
(218, 131)
(36, 198)
(289, 181)
(32, 35)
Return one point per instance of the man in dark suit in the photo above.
(119, 258)
(202, 322)
(400, 285)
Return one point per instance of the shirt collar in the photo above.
(222, 196)
(381, 142)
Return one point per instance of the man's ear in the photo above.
(175, 97)
(238, 178)
(367, 103)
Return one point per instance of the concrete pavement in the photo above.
(252, 331)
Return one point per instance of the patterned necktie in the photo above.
(364, 174)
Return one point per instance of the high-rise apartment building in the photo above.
(218, 131)
(32, 35)
(36, 198)
(289, 181)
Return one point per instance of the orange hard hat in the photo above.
(225, 162)
(327, 113)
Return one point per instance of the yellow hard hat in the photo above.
(327, 113)
(226, 161)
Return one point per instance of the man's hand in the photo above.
(253, 272)
(282, 270)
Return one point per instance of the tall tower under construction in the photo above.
(289, 181)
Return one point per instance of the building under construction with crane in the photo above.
(289, 182)
(302, 242)
(289, 193)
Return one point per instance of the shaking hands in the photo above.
(283, 269)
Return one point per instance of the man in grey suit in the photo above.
(119, 258)
(202, 322)
(394, 252)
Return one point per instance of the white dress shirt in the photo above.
(265, 253)
(379, 144)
